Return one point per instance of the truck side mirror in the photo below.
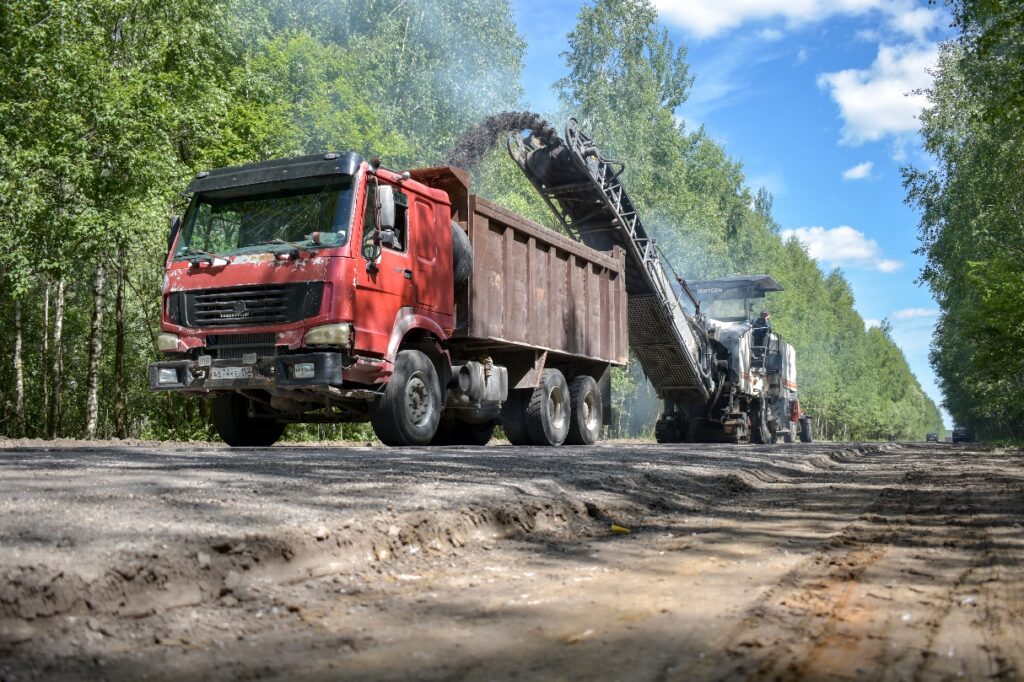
(172, 231)
(386, 200)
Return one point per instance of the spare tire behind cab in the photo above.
(462, 256)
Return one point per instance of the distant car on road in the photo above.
(962, 436)
(932, 438)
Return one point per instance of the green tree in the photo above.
(970, 229)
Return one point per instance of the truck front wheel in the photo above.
(410, 409)
(547, 414)
(235, 426)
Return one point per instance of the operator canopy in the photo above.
(737, 287)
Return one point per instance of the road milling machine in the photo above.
(720, 379)
(761, 384)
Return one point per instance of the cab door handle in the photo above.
(407, 273)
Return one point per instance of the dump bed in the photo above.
(533, 287)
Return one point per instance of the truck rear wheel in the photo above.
(513, 417)
(235, 426)
(410, 409)
(585, 401)
(547, 414)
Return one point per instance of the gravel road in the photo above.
(626, 561)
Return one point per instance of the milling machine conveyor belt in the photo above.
(583, 189)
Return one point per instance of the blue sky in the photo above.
(816, 99)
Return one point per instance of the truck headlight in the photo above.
(168, 343)
(168, 375)
(329, 335)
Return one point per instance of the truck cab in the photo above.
(291, 279)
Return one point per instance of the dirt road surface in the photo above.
(171, 562)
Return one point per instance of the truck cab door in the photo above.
(384, 284)
(429, 242)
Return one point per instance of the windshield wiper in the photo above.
(199, 256)
(297, 249)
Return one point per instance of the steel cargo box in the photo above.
(536, 288)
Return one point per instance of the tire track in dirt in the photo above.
(896, 594)
(498, 563)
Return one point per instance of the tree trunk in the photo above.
(92, 393)
(45, 357)
(57, 367)
(120, 391)
(19, 371)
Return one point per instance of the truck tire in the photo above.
(235, 426)
(513, 417)
(462, 256)
(787, 434)
(585, 402)
(457, 432)
(547, 414)
(805, 430)
(410, 409)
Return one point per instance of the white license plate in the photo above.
(231, 373)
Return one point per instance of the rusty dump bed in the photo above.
(533, 287)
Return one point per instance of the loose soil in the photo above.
(628, 561)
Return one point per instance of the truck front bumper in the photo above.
(283, 371)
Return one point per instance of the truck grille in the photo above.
(234, 346)
(247, 306)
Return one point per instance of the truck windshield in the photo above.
(260, 222)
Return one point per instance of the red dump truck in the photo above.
(328, 289)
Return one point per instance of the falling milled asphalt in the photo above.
(629, 561)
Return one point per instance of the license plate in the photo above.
(231, 373)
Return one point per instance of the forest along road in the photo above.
(148, 561)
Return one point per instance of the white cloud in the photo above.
(708, 19)
(843, 246)
(917, 22)
(770, 35)
(802, 55)
(914, 313)
(859, 172)
(878, 101)
(868, 324)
